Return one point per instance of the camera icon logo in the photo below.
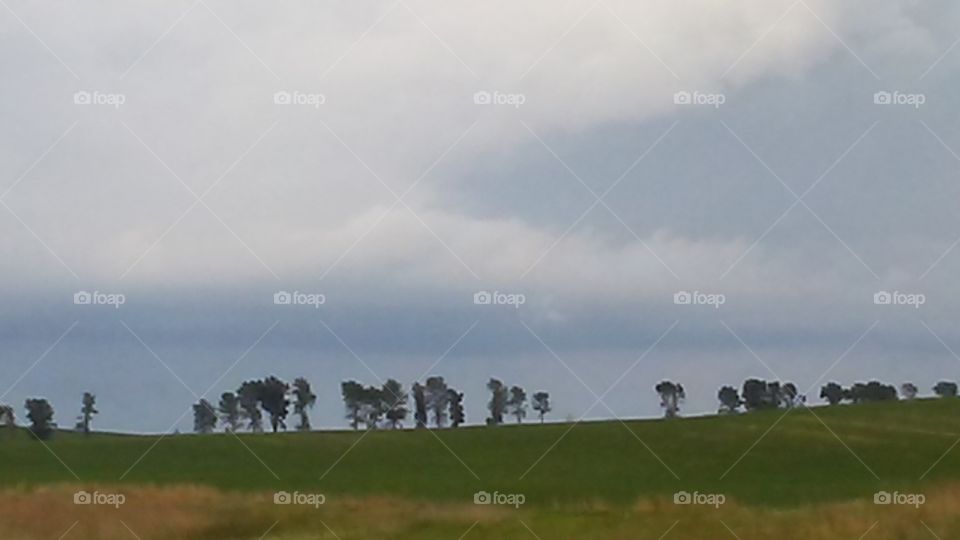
(682, 298)
(282, 298)
(681, 497)
(282, 97)
(82, 497)
(482, 98)
(482, 298)
(882, 298)
(482, 497)
(82, 97)
(882, 497)
(882, 98)
(282, 497)
(82, 298)
(682, 98)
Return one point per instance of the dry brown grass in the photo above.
(198, 513)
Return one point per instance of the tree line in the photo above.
(758, 394)
(437, 404)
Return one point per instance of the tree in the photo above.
(40, 414)
(729, 400)
(455, 401)
(7, 417)
(420, 405)
(517, 404)
(352, 393)
(395, 403)
(908, 391)
(541, 404)
(671, 394)
(373, 405)
(789, 397)
(871, 391)
(833, 393)
(304, 398)
(204, 417)
(759, 394)
(230, 411)
(498, 401)
(945, 389)
(249, 398)
(273, 399)
(437, 399)
(87, 410)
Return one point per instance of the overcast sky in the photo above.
(398, 157)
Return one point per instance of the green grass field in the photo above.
(797, 464)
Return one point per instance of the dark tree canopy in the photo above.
(455, 400)
(517, 403)
(395, 403)
(498, 401)
(87, 410)
(832, 392)
(40, 414)
(945, 389)
(420, 405)
(437, 399)
(871, 391)
(303, 399)
(273, 399)
(229, 410)
(758, 394)
(541, 404)
(8, 417)
(249, 397)
(204, 417)
(729, 400)
(671, 395)
(353, 399)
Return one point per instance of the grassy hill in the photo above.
(797, 463)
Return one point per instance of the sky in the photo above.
(784, 162)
